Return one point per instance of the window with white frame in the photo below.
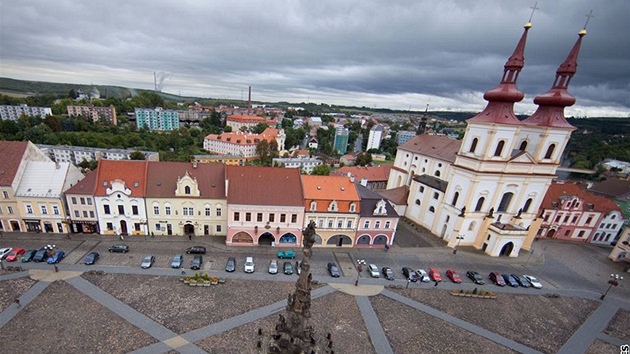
(10, 209)
(55, 210)
(353, 207)
(219, 229)
(313, 206)
(387, 223)
(74, 200)
(339, 224)
(29, 209)
(208, 211)
(157, 227)
(332, 206)
(43, 209)
(76, 214)
(349, 224)
(366, 225)
(167, 210)
(85, 214)
(89, 201)
(377, 224)
(330, 224)
(219, 211)
(156, 210)
(92, 214)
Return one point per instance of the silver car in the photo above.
(373, 270)
(147, 262)
(422, 276)
(273, 266)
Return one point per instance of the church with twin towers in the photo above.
(486, 190)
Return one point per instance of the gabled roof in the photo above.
(369, 200)
(86, 186)
(43, 179)
(438, 147)
(250, 185)
(12, 153)
(559, 191)
(612, 187)
(370, 173)
(162, 179)
(133, 173)
(432, 182)
(329, 188)
(396, 195)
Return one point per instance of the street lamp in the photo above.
(459, 239)
(613, 281)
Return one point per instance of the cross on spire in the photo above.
(588, 17)
(534, 8)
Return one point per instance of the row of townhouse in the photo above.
(247, 205)
(571, 213)
(32, 187)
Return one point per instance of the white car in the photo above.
(373, 269)
(249, 265)
(422, 276)
(535, 283)
(273, 266)
(5, 251)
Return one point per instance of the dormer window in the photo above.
(353, 207)
(187, 190)
(333, 206)
(381, 208)
(313, 206)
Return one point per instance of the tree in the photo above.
(363, 159)
(321, 170)
(259, 128)
(137, 155)
(262, 150)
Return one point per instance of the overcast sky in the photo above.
(385, 54)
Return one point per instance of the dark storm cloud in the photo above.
(391, 54)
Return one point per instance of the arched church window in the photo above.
(187, 190)
(523, 145)
(528, 203)
(550, 150)
(479, 204)
(473, 145)
(455, 197)
(499, 148)
(505, 201)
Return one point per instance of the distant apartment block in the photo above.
(76, 154)
(403, 136)
(107, 114)
(239, 121)
(157, 118)
(341, 140)
(15, 112)
(242, 144)
(306, 164)
(375, 137)
(224, 159)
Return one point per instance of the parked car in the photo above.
(509, 280)
(119, 247)
(273, 266)
(4, 252)
(298, 267)
(178, 261)
(196, 262)
(434, 274)
(475, 277)
(453, 276)
(230, 265)
(287, 267)
(388, 273)
(522, 281)
(422, 276)
(410, 274)
(15, 254)
(333, 270)
(532, 280)
(41, 255)
(373, 270)
(91, 258)
(56, 258)
(288, 254)
(249, 265)
(147, 262)
(196, 250)
(28, 256)
(497, 278)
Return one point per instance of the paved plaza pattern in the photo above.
(125, 309)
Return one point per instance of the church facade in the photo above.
(485, 190)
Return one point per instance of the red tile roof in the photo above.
(568, 189)
(329, 188)
(12, 153)
(250, 185)
(162, 179)
(85, 186)
(438, 147)
(612, 187)
(397, 195)
(371, 173)
(133, 173)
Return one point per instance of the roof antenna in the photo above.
(588, 17)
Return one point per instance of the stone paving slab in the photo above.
(589, 330)
(377, 334)
(25, 299)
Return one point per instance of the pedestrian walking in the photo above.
(183, 272)
(189, 237)
(17, 302)
(152, 234)
(56, 269)
(436, 284)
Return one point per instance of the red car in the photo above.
(434, 274)
(497, 278)
(15, 254)
(453, 276)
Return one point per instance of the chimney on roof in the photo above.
(351, 178)
(364, 182)
(194, 164)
